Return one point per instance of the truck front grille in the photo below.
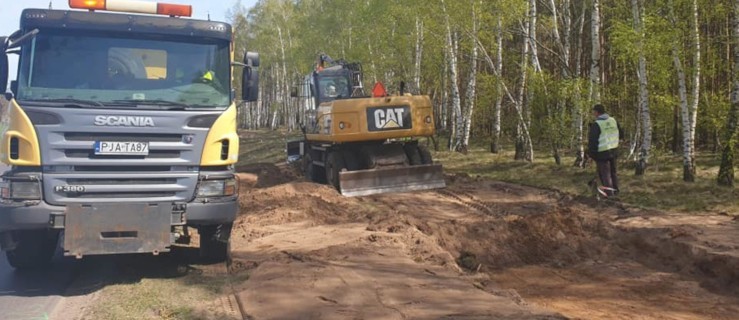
(134, 137)
(122, 195)
(168, 173)
(89, 154)
(111, 186)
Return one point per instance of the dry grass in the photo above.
(167, 287)
(661, 188)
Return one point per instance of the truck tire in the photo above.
(214, 243)
(413, 154)
(312, 172)
(334, 165)
(34, 249)
(425, 155)
(351, 160)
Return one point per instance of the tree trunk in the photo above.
(457, 122)
(726, 171)
(522, 141)
(564, 45)
(688, 119)
(495, 145)
(637, 8)
(419, 55)
(594, 90)
(689, 173)
(577, 110)
(470, 95)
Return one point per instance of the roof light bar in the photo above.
(133, 6)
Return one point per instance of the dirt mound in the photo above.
(265, 175)
(466, 250)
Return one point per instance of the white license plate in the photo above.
(121, 148)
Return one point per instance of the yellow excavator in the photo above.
(362, 144)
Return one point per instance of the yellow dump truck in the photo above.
(120, 131)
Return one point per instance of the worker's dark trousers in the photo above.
(607, 173)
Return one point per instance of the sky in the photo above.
(12, 11)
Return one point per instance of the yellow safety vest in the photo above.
(208, 76)
(609, 134)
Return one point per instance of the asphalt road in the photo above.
(34, 294)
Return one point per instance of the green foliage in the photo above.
(382, 35)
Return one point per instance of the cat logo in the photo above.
(388, 118)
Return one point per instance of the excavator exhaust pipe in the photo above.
(389, 180)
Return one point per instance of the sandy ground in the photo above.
(476, 250)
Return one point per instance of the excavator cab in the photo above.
(332, 85)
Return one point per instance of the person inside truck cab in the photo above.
(331, 91)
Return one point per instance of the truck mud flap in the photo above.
(117, 228)
(375, 181)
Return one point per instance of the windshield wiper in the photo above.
(70, 102)
(165, 103)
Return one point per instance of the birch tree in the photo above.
(524, 148)
(418, 55)
(637, 8)
(594, 89)
(688, 109)
(495, 145)
(470, 95)
(726, 171)
(457, 121)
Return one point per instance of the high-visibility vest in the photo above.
(609, 134)
(208, 76)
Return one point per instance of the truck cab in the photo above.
(120, 133)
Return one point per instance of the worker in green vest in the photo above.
(603, 139)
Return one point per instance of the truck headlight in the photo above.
(217, 188)
(20, 190)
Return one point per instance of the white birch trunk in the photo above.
(637, 8)
(533, 42)
(495, 146)
(696, 89)
(684, 108)
(577, 109)
(523, 139)
(471, 86)
(419, 54)
(594, 90)
(453, 74)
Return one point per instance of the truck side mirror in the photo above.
(294, 92)
(4, 69)
(250, 80)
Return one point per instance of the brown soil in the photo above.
(476, 250)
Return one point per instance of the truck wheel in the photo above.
(351, 161)
(312, 172)
(214, 242)
(425, 155)
(413, 154)
(34, 249)
(334, 165)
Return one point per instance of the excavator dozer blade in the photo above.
(375, 181)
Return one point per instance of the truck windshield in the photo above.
(121, 70)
